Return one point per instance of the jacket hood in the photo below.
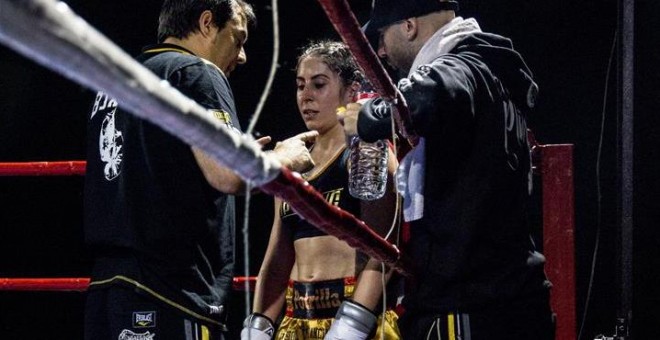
(506, 64)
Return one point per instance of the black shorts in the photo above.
(119, 313)
(528, 320)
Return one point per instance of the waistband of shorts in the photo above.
(319, 299)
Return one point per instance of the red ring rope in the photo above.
(313, 207)
(82, 283)
(45, 284)
(62, 168)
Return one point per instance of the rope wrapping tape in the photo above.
(61, 168)
(311, 206)
(342, 18)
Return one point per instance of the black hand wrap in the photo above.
(374, 120)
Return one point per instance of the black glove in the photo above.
(374, 120)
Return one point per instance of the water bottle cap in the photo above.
(364, 96)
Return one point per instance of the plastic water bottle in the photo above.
(367, 174)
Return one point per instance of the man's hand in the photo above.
(293, 153)
(374, 119)
(264, 140)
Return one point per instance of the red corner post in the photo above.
(556, 168)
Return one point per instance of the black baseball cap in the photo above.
(387, 12)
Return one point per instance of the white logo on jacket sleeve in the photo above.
(102, 102)
(110, 146)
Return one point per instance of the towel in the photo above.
(410, 173)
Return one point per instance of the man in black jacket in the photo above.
(159, 215)
(466, 185)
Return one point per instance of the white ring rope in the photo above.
(253, 122)
(49, 33)
(273, 68)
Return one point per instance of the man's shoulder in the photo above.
(482, 48)
(180, 68)
(483, 40)
(169, 60)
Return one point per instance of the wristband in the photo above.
(357, 316)
(259, 322)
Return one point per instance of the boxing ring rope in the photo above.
(49, 33)
(60, 284)
(80, 284)
(554, 163)
(66, 168)
(57, 168)
(65, 43)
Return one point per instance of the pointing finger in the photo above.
(264, 140)
(308, 136)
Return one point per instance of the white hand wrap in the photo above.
(257, 327)
(352, 322)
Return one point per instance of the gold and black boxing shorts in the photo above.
(311, 307)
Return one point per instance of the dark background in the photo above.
(566, 44)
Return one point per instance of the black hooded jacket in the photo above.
(472, 247)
